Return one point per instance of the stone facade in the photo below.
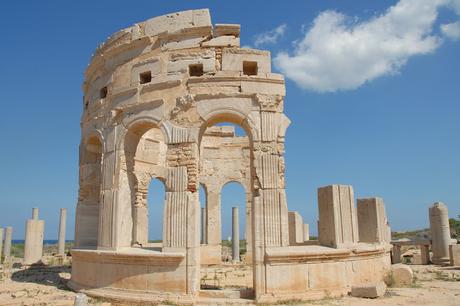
(152, 93)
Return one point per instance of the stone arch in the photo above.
(213, 111)
(138, 175)
(241, 172)
(89, 193)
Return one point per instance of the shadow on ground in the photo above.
(44, 275)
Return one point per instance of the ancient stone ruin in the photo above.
(154, 95)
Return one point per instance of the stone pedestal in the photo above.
(306, 232)
(338, 226)
(295, 228)
(440, 233)
(33, 245)
(372, 221)
(235, 235)
(62, 229)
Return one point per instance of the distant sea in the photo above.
(44, 241)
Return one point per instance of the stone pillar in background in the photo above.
(1, 243)
(306, 232)
(62, 229)
(203, 225)
(33, 245)
(372, 221)
(396, 254)
(295, 228)
(425, 254)
(338, 226)
(235, 235)
(440, 233)
(7, 243)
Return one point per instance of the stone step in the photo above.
(220, 293)
(223, 301)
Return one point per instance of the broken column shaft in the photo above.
(7, 243)
(33, 245)
(440, 233)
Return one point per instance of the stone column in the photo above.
(1, 243)
(62, 229)
(7, 243)
(33, 245)
(203, 225)
(235, 235)
(306, 232)
(440, 233)
(338, 226)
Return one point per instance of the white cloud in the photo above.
(341, 53)
(270, 37)
(451, 30)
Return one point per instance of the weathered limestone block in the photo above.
(296, 234)
(177, 22)
(226, 29)
(370, 291)
(222, 41)
(372, 220)
(440, 233)
(33, 245)
(454, 254)
(234, 59)
(400, 276)
(337, 216)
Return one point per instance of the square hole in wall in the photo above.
(195, 70)
(249, 68)
(103, 92)
(145, 77)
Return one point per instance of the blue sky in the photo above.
(380, 111)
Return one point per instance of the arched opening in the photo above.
(87, 225)
(156, 195)
(226, 167)
(145, 151)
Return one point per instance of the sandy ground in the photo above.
(47, 286)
